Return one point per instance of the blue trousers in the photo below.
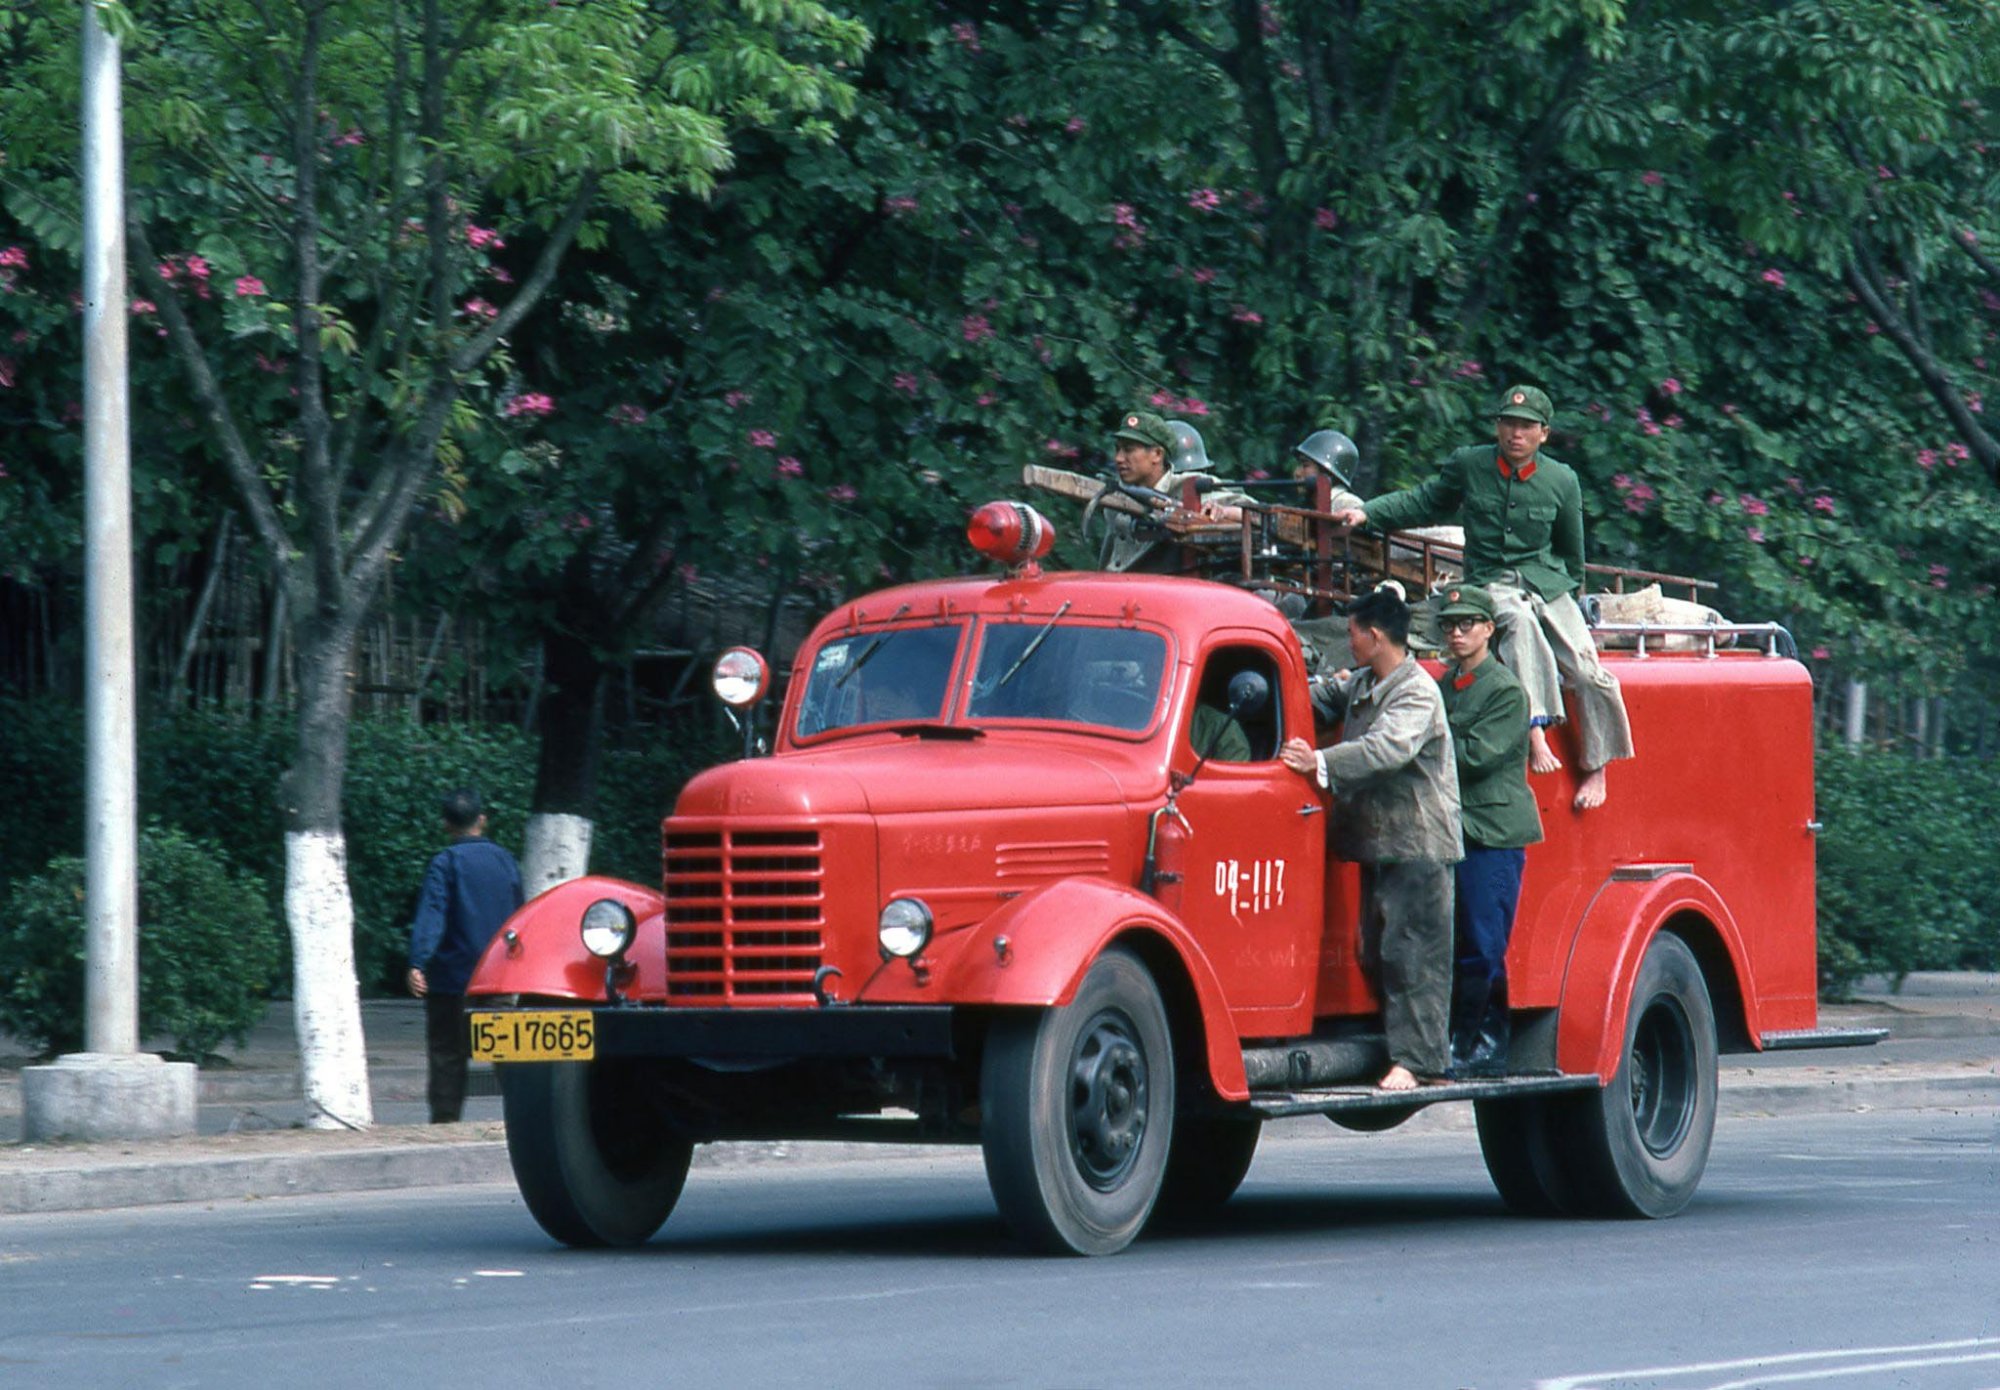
(1489, 889)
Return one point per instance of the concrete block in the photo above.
(100, 1095)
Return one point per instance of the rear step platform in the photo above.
(1335, 1100)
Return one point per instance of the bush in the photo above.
(1909, 871)
(208, 946)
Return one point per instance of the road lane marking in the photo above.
(1594, 1379)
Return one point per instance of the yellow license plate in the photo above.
(541, 1035)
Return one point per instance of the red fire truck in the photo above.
(986, 889)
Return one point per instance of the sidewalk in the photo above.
(1943, 1051)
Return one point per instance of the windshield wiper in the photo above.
(1034, 646)
(868, 651)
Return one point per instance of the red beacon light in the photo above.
(1013, 533)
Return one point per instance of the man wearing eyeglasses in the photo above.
(1523, 517)
(1487, 712)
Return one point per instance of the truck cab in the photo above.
(1022, 869)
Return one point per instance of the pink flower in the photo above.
(966, 34)
(350, 137)
(143, 306)
(1244, 314)
(1326, 219)
(1642, 493)
(1060, 449)
(1974, 404)
(1648, 428)
(1469, 371)
(1927, 459)
(1754, 505)
(1871, 328)
(1821, 654)
(1716, 499)
(197, 267)
(1755, 534)
(985, 398)
(1957, 453)
(499, 274)
(6, 372)
(529, 403)
(1162, 399)
(736, 400)
(1883, 171)
(1534, 198)
(899, 204)
(166, 270)
(1729, 408)
(1635, 504)
(1797, 485)
(842, 492)
(906, 382)
(628, 414)
(1076, 125)
(276, 366)
(1204, 200)
(14, 258)
(484, 238)
(1652, 178)
(688, 573)
(1191, 406)
(762, 439)
(789, 467)
(1774, 276)
(1673, 422)
(1622, 481)
(1671, 386)
(1203, 274)
(480, 309)
(247, 286)
(974, 328)
(1125, 215)
(1823, 503)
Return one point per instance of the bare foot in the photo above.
(1399, 1078)
(1541, 757)
(1590, 791)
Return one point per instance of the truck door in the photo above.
(1256, 860)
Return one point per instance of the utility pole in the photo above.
(112, 1090)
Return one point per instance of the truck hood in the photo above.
(907, 775)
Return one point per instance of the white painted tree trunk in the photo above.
(556, 850)
(326, 1002)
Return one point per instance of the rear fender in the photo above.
(1053, 934)
(1604, 958)
(537, 951)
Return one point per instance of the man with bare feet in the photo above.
(1395, 792)
(1523, 517)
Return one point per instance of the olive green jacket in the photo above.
(1530, 524)
(1488, 713)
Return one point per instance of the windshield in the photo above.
(1091, 675)
(883, 677)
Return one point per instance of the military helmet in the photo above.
(1333, 451)
(1187, 455)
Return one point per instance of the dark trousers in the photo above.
(449, 1048)
(1489, 889)
(1406, 952)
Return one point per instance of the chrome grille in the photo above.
(745, 915)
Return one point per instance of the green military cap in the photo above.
(1144, 427)
(1467, 601)
(1527, 403)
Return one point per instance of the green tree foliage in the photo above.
(208, 948)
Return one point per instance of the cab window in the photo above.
(1213, 731)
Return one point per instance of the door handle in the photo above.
(1311, 810)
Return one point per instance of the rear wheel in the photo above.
(1076, 1111)
(597, 1161)
(1639, 1146)
(1514, 1139)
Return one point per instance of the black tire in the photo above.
(1077, 1111)
(1639, 1146)
(596, 1160)
(1210, 1158)
(1374, 1121)
(1515, 1140)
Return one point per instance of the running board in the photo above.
(1348, 1099)
(1792, 1039)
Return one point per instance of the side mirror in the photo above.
(1249, 694)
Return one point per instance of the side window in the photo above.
(1252, 737)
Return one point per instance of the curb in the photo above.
(101, 1177)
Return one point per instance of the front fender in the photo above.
(1604, 959)
(537, 951)
(1053, 934)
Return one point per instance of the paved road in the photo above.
(1844, 1251)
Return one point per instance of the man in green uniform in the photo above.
(1144, 441)
(1523, 517)
(1488, 714)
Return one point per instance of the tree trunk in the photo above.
(326, 1000)
(1857, 713)
(570, 716)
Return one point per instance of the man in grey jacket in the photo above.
(1396, 814)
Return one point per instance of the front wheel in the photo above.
(1076, 1111)
(597, 1160)
(1639, 1147)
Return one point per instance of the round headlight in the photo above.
(608, 928)
(904, 928)
(741, 677)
